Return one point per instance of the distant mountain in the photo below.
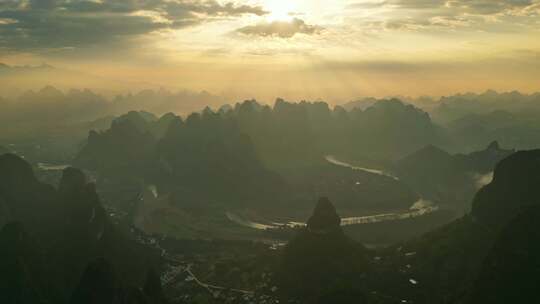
(321, 260)
(53, 233)
(516, 129)
(484, 161)
(408, 127)
(205, 158)
(208, 154)
(48, 111)
(147, 122)
(127, 147)
(5, 69)
(458, 106)
(50, 107)
(489, 121)
(446, 178)
(361, 104)
(163, 101)
(289, 135)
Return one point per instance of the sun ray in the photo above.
(280, 10)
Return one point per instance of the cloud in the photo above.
(469, 6)
(440, 14)
(281, 29)
(488, 7)
(51, 24)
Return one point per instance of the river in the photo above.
(331, 159)
(421, 207)
(51, 167)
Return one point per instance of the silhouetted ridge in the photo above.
(494, 146)
(315, 264)
(152, 287)
(324, 218)
(98, 285)
(20, 267)
(22, 196)
(14, 170)
(497, 242)
(65, 229)
(485, 160)
(125, 149)
(73, 180)
(515, 184)
(430, 154)
(510, 272)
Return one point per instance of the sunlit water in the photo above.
(153, 190)
(50, 167)
(481, 180)
(331, 159)
(419, 208)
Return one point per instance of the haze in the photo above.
(269, 151)
(333, 50)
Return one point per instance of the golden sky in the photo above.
(334, 50)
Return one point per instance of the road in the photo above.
(211, 288)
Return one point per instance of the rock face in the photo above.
(98, 285)
(152, 288)
(510, 272)
(325, 218)
(26, 199)
(515, 185)
(321, 259)
(15, 172)
(17, 266)
(492, 254)
(53, 233)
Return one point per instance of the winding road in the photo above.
(171, 277)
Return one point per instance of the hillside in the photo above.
(53, 233)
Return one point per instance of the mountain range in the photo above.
(59, 241)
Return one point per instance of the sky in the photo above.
(331, 50)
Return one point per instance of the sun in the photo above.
(280, 10)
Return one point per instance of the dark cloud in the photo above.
(282, 29)
(46, 24)
(211, 8)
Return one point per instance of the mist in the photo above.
(269, 151)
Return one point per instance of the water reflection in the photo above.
(331, 159)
